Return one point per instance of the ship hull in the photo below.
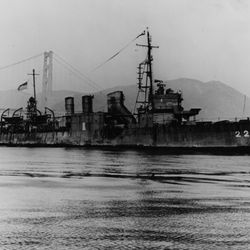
(221, 138)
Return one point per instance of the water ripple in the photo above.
(93, 199)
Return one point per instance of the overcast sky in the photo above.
(205, 40)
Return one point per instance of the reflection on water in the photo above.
(55, 198)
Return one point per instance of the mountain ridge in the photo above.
(216, 99)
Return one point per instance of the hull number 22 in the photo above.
(244, 134)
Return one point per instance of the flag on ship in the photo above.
(23, 86)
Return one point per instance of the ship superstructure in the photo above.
(155, 103)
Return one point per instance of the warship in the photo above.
(158, 122)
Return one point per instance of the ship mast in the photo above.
(150, 71)
(146, 89)
(34, 82)
(32, 104)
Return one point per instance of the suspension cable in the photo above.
(68, 68)
(76, 71)
(88, 81)
(19, 62)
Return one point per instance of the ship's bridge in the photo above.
(167, 106)
(167, 100)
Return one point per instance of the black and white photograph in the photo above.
(125, 124)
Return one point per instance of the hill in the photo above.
(13, 99)
(216, 99)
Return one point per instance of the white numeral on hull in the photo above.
(244, 134)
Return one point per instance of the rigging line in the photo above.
(117, 53)
(77, 71)
(70, 69)
(19, 62)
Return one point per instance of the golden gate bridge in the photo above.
(53, 72)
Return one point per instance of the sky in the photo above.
(204, 40)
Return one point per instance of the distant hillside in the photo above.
(13, 99)
(216, 99)
(56, 101)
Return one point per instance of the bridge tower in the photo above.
(47, 78)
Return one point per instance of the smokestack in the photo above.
(69, 105)
(87, 103)
(115, 101)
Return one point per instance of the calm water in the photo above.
(55, 198)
